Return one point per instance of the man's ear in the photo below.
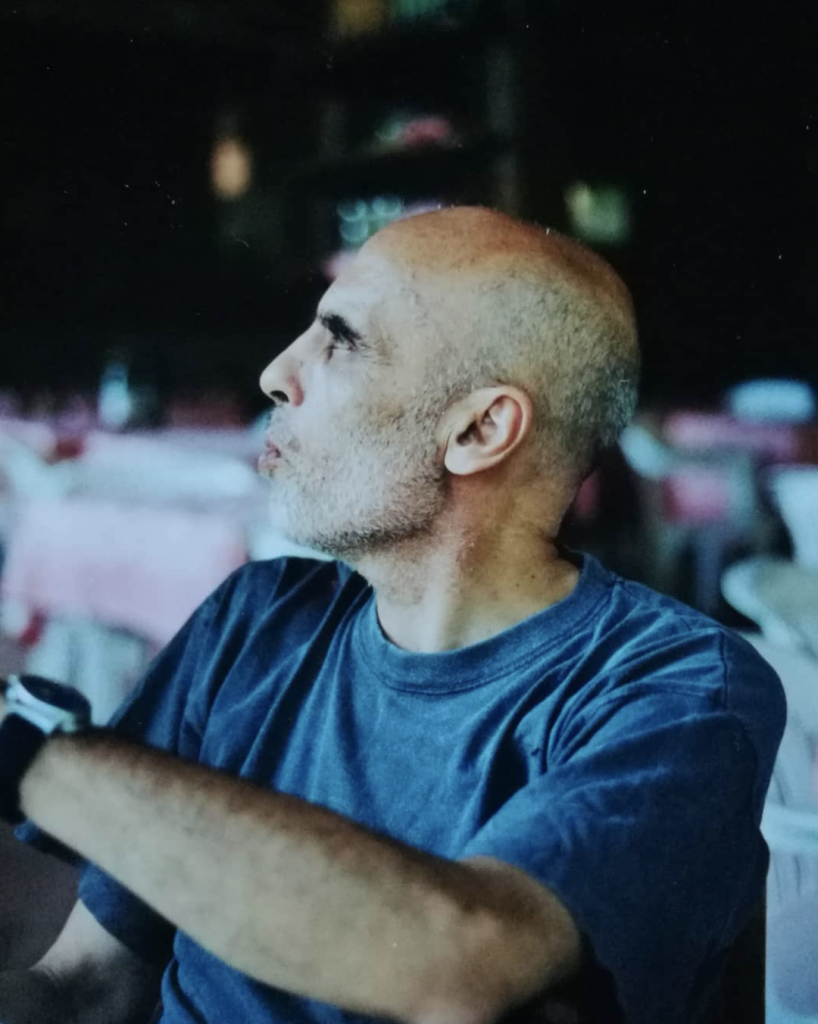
(483, 428)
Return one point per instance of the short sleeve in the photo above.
(158, 714)
(648, 833)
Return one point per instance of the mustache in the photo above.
(277, 435)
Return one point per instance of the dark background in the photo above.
(111, 236)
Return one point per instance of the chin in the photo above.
(280, 522)
(289, 527)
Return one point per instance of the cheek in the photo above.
(328, 440)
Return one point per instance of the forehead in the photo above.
(366, 280)
(376, 293)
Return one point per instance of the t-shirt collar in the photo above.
(488, 660)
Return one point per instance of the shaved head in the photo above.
(459, 378)
(506, 302)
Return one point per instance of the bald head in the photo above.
(469, 241)
(511, 303)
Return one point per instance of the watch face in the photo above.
(54, 694)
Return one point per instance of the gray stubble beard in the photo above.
(402, 497)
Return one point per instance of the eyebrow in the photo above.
(339, 326)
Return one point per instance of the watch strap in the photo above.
(20, 742)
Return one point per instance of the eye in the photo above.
(339, 340)
(343, 335)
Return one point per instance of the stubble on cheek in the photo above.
(374, 477)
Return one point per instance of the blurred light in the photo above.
(353, 235)
(403, 130)
(598, 213)
(231, 168)
(116, 401)
(772, 400)
(384, 210)
(413, 10)
(359, 219)
(352, 209)
(357, 17)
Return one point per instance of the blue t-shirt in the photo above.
(617, 746)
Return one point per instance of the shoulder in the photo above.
(274, 576)
(649, 648)
(643, 635)
(281, 587)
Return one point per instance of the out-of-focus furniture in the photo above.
(701, 479)
(156, 468)
(690, 499)
(770, 442)
(795, 490)
(108, 553)
(37, 436)
(26, 469)
(782, 598)
(113, 581)
(101, 570)
(790, 826)
(29, 469)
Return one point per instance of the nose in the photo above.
(280, 379)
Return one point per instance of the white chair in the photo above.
(795, 491)
(780, 596)
(790, 826)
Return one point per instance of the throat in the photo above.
(446, 617)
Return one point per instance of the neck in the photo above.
(454, 592)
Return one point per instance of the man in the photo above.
(459, 773)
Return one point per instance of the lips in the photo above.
(269, 457)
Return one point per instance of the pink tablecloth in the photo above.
(702, 494)
(712, 431)
(696, 495)
(144, 569)
(243, 444)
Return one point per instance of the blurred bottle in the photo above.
(115, 403)
(353, 222)
(358, 219)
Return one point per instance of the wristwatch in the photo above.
(35, 708)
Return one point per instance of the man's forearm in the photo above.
(288, 892)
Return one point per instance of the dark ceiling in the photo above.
(706, 115)
(247, 25)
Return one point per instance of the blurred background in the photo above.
(180, 180)
(172, 171)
